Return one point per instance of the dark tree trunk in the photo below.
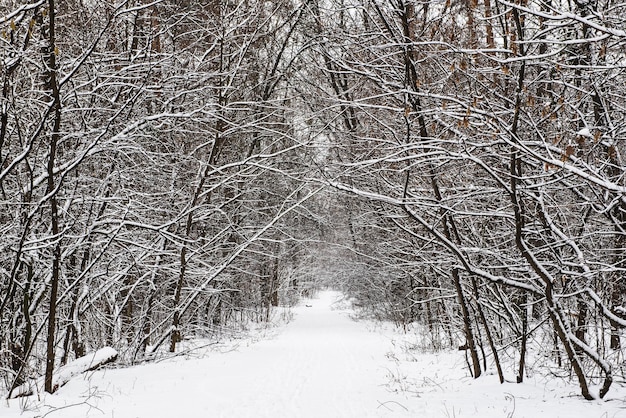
(53, 88)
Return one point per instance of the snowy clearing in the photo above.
(322, 364)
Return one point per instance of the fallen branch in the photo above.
(64, 374)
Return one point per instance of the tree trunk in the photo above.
(522, 356)
(467, 325)
(53, 88)
(483, 320)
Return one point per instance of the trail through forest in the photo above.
(172, 171)
(322, 364)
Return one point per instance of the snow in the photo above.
(322, 364)
(585, 132)
(65, 373)
(85, 363)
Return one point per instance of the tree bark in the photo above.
(53, 87)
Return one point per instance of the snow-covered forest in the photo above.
(173, 170)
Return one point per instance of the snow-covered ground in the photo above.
(322, 364)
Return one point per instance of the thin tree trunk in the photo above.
(523, 348)
(448, 225)
(467, 325)
(175, 337)
(53, 87)
(483, 319)
(489, 31)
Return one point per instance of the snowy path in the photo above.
(323, 364)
